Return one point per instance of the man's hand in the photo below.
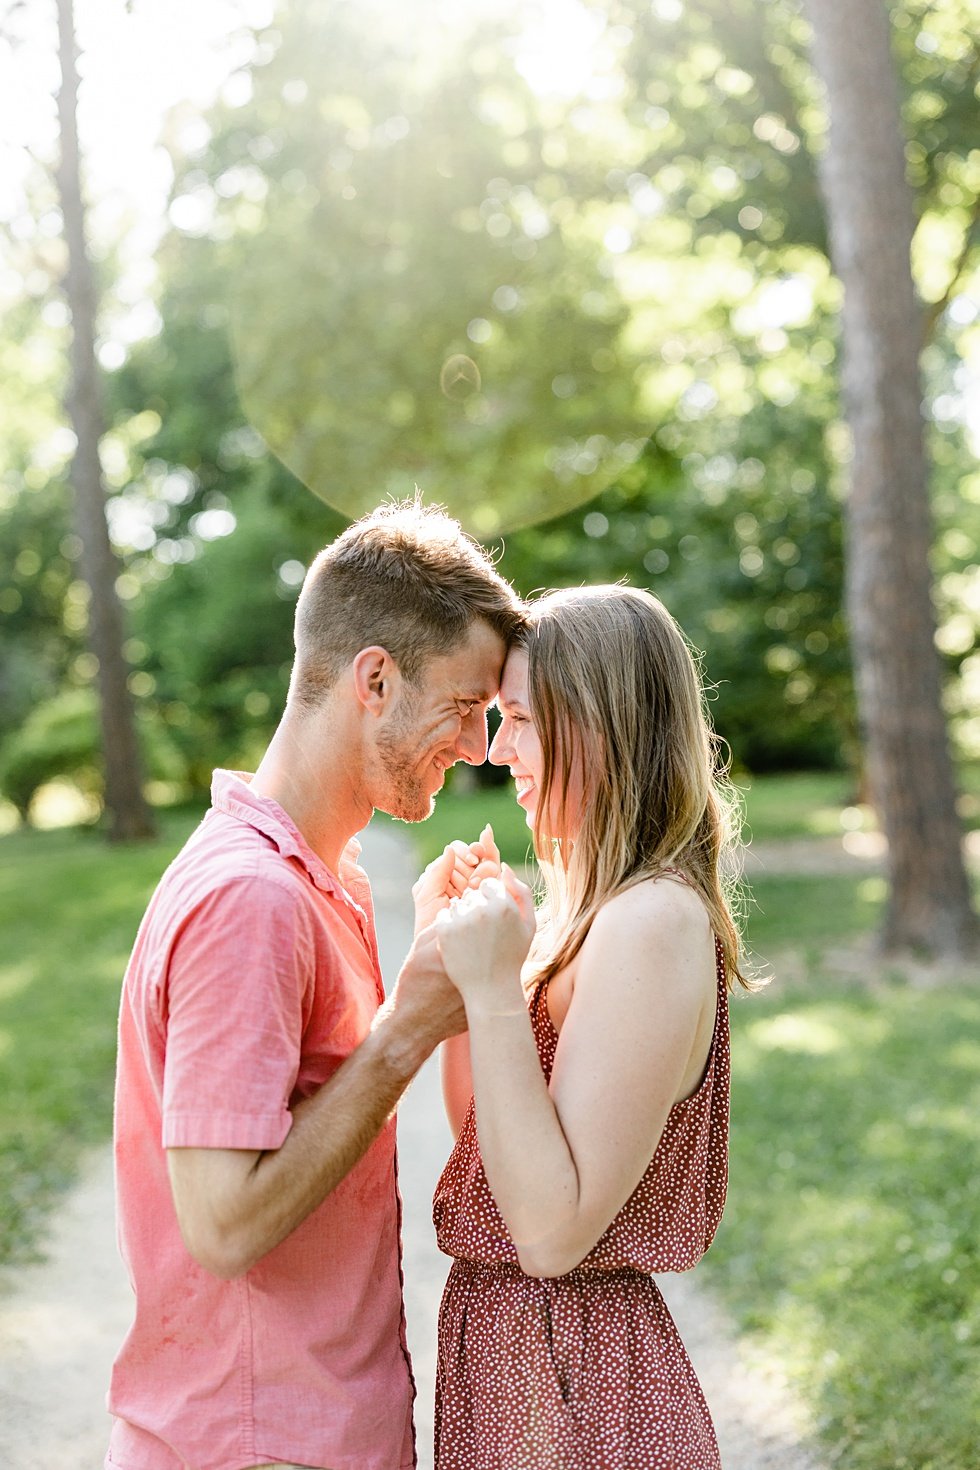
(459, 867)
(424, 1007)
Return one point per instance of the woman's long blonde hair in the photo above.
(619, 707)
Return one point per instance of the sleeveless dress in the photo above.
(584, 1371)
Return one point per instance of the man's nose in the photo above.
(500, 752)
(472, 743)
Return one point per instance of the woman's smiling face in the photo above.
(518, 745)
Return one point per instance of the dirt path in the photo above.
(62, 1320)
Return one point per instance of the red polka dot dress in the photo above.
(584, 1371)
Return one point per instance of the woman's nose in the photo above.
(500, 751)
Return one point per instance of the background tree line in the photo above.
(601, 324)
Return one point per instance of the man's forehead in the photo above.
(475, 687)
(471, 671)
(478, 684)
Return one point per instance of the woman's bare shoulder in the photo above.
(654, 908)
(649, 947)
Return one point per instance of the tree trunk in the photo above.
(129, 815)
(889, 602)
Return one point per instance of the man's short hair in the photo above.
(406, 577)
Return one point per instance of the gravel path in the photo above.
(62, 1320)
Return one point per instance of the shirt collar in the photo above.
(232, 794)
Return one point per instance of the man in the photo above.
(258, 1068)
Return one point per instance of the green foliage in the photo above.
(379, 227)
(727, 512)
(638, 272)
(850, 1238)
(217, 642)
(39, 596)
(375, 352)
(749, 560)
(58, 738)
(735, 78)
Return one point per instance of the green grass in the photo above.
(825, 803)
(808, 805)
(850, 1241)
(775, 807)
(799, 911)
(801, 804)
(69, 910)
(810, 911)
(797, 805)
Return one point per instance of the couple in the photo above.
(585, 1055)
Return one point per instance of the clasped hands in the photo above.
(482, 916)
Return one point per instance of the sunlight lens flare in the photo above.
(413, 308)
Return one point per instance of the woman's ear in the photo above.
(376, 677)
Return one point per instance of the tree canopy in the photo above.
(590, 310)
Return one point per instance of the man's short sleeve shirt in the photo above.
(254, 975)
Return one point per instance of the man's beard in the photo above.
(405, 797)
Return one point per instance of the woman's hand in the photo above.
(459, 867)
(484, 936)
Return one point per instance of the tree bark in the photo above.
(888, 587)
(129, 815)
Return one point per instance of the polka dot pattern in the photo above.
(584, 1371)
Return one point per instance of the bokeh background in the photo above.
(564, 266)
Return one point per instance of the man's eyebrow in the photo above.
(476, 697)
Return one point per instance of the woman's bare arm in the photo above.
(563, 1160)
(457, 1079)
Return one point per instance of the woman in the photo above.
(599, 1064)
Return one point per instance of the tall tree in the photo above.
(871, 221)
(129, 815)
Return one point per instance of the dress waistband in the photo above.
(580, 1274)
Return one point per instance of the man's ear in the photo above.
(376, 679)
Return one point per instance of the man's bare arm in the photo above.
(235, 1205)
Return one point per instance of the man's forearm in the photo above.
(235, 1207)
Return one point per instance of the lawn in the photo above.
(850, 1242)
(850, 1239)
(807, 805)
(69, 909)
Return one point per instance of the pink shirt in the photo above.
(255, 973)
